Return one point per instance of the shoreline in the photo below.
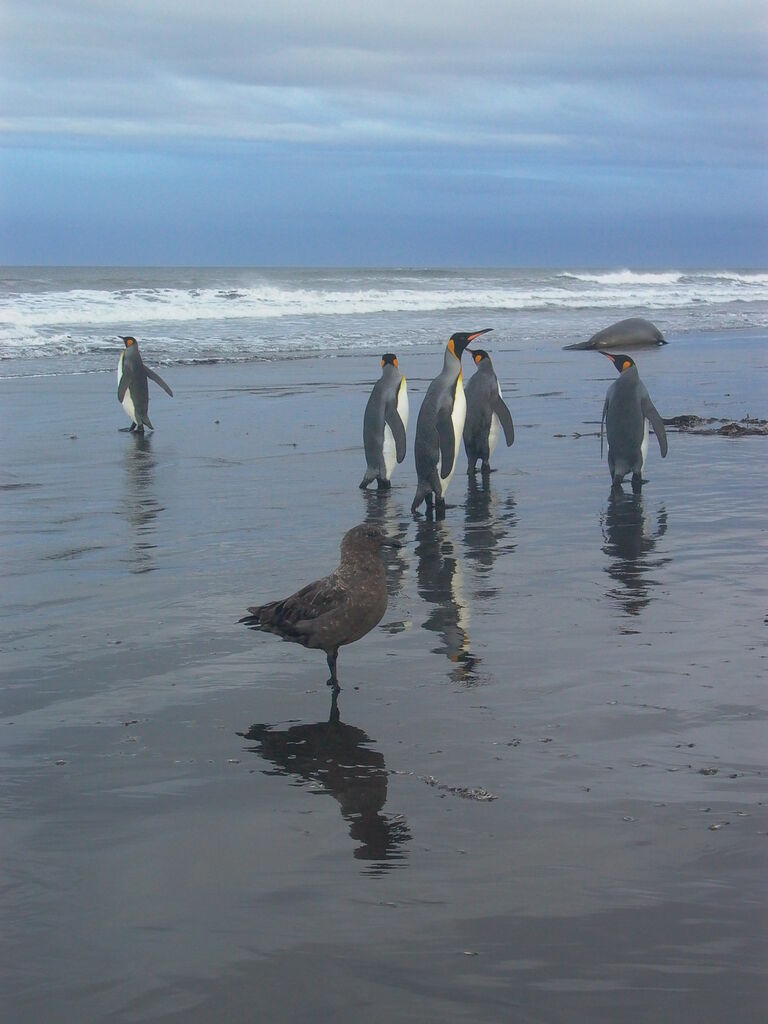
(595, 664)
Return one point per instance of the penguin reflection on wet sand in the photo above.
(384, 424)
(383, 511)
(339, 758)
(627, 412)
(487, 414)
(139, 505)
(337, 609)
(133, 387)
(440, 426)
(629, 543)
(440, 583)
(489, 524)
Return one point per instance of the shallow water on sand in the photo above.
(541, 795)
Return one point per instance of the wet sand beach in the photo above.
(543, 797)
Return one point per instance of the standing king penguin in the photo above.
(384, 424)
(487, 414)
(440, 426)
(133, 386)
(627, 411)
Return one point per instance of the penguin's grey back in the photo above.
(439, 396)
(625, 421)
(384, 424)
(385, 390)
(481, 392)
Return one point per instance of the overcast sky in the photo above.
(405, 132)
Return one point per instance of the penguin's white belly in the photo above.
(402, 403)
(458, 416)
(127, 402)
(389, 451)
(644, 445)
(493, 433)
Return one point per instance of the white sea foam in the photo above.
(234, 315)
(630, 277)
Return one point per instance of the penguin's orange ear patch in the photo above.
(129, 342)
(625, 365)
(478, 358)
(451, 347)
(394, 361)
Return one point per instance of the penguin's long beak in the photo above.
(608, 355)
(477, 334)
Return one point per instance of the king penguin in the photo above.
(627, 411)
(440, 426)
(487, 414)
(133, 387)
(384, 424)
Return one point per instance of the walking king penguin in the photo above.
(440, 426)
(627, 411)
(133, 386)
(384, 424)
(487, 414)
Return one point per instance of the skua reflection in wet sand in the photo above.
(488, 521)
(440, 582)
(629, 543)
(140, 505)
(338, 758)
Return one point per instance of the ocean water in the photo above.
(68, 319)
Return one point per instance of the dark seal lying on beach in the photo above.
(633, 332)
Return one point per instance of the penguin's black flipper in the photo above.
(505, 418)
(157, 379)
(395, 424)
(447, 442)
(651, 413)
(122, 387)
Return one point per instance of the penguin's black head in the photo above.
(128, 340)
(479, 354)
(458, 342)
(620, 361)
(389, 359)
